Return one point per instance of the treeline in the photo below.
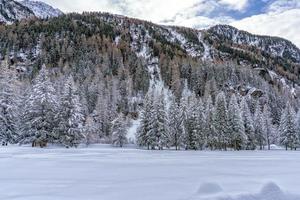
(56, 111)
(47, 111)
(226, 123)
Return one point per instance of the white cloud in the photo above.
(285, 24)
(235, 4)
(283, 5)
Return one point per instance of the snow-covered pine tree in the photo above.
(287, 129)
(191, 135)
(40, 112)
(183, 106)
(269, 130)
(9, 101)
(71, 118)
(298, 123)
(236, 125)
(101, 115)
(176, 125)
(221, 122)
(258, 126)
(144, 137)
(202, 142)
(209, 131)
(160, 124)
(119, 131)
(248, 125)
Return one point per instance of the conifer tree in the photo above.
(176, 125)
(236, 125)
(40, 112)
(298, 123)
(209, 130)
(248, 125)
(119, 131)
(258, 125)
(191, 135)
(269, 130)
(144, 135)
(71, 118)
(287, 128)
(221, 122)
(200, 126)
(9, 100)
(161, 122)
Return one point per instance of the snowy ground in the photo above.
(104, 173)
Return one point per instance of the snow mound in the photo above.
(209, 188)
(270, 191)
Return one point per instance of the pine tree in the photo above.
(269, 130)
(71, 118)
(191, 135)
(40, 112)
(236, 124)
(209, 130)
(9, 100)
(287, 128)
(221, 122)
(160, 123)
(200, 126)
(119, 131)
(144, 135)
(248, 125)
(298, 123)
(176, 125)
(183, 106)
(258, 126)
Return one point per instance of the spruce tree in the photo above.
(40, 112)
(298, 123)
(287, 128)
(200, 125)
(144, 137)
(176, 125)
(161, 122)
(269, 130)
(221, 122)
(191, 135)
(71, 118)
(119, 131)
(209, 130)
(248, 125)
(236, 125)
(259, 127)
(9, 100)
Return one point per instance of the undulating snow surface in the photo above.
(102, 172)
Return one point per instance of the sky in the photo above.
(265, 17)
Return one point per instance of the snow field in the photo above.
(102, 172)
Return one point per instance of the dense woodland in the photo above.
(82, 79)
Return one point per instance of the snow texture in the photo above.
(102, 172)
(41, 9)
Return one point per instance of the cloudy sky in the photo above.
(267, 17)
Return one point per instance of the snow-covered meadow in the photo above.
(105, 173)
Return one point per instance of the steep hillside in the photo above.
(41, 9)
(118, 62)
(11, 11)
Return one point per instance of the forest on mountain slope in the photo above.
(83, 78)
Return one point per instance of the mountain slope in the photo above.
(151, 55)
(117, 61)
(41, 9)
(11, 11)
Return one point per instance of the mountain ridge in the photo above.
(12, 11)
